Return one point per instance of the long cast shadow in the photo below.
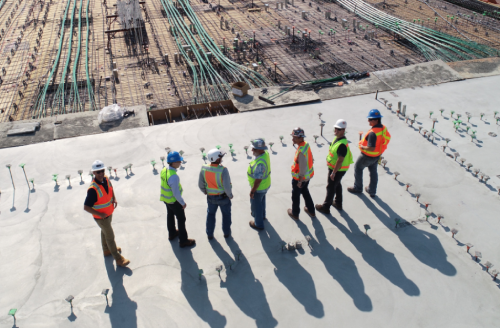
(341, 267)
(246, 291)
(291, 274)
(196, 291)
(425, 246)
(375, 255)
(123, 310)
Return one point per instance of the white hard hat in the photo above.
(98, 165)
(341, 124)
(214, 154)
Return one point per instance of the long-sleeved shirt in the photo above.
(226, 183)
(173, 182)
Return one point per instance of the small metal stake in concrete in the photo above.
(80, 172)
(308, 238)
(440, 216)
(218, 146)
(200, 272)
(477, 254)
(68, 177)
(430, 114)
(162, 159)
(130, 168)
(434, 120)
(427, 214)
(70, 299)
(322, 125)
(367, 227)
(91, 174)
(270, 145)
(281, 139)
(315, 138)
(397, 220)
(453, 232)
(12, 312)
(481, 114)
(360, 135)
(54, 178)
(33, 183)
(469, 246)
(408, 185)
(167, 149)
(452, 112)
(153, 162)
(12, 179)
(319, 115)
(116, 174)
(462, 160)
(417, 196)
(22, 166)
(110, 169)
(246, 149)
(441, 110)
(218, 268)
(105, 292)
(202, 149)
(384, 162)
(488, 265)
(396, 175)
(494, 274)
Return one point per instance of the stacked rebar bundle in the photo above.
(432, 44)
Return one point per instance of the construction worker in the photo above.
(259, 177)
(372, 146)
(339, 159)
(214, 181)
(101, 203)
(302, 172)
(171, 195)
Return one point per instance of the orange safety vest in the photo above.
(213, 179)
(305, 149)
(103, 204)
(383, 138)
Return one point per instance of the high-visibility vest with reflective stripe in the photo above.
(266, 179)
(104, 200)
(383, 138)
(213, 179)
(167, 194)
(331, 159)
(305, 149)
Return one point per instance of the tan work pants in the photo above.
(108, 236)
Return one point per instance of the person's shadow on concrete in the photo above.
(123, 310)
(196, 291)
(375, 255)
(341, 267)
(425, 246)
(291, 274)
(246, 291)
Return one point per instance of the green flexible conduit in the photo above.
(89, 84)
(432, 44)
(39, 109)
(59, 96)
(208, 84)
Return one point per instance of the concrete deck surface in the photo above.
(413, 276)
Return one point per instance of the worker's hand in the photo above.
(184, 206)
(115, 203)
(252, 193)
(299, 184)
(332, 176)
(103, 215)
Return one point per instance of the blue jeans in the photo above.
(258, 207)
(225, 207)
(371, 163)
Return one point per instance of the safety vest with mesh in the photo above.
(213, 179)
(305, 149)
(383, 138)
(266, 179)
(167, 194)
(104, 200)
(331, 158)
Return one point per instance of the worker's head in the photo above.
(339, 128)
(215, 156)
(174, 159)
(98, 169)
(374, 117)
(298, 135)
(258, 146)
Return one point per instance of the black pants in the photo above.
(176, 210)
(304, 191)
(334, 189)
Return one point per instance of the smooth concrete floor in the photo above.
(413, 276)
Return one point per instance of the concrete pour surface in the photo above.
(414, 276)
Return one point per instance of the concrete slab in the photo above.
(471, 69)
(364, 86)
(414, 276)
(430, 73)
(252, 102)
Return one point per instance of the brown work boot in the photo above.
(108, 253)
(309, 213)
(353, 190)
(371, 195)
(252, 225)
(174, 236)
(337, 206)
(188, 243)
(322, 209)
(123, 262)
(295, 217)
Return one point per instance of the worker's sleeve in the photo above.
(91, 198)
(302, 165)
(173, 182)
(372, 139)
(226, 182)
(259, 171)
(342, 151)
(201, 183)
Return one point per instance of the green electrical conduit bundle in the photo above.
(208, 84)
(432, 44)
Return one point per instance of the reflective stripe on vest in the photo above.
(167, 194)
(104, 202)
(266, 179)
(305, 149)
(213, 179)
(332, 157)
(383, 138)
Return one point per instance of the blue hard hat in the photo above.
(174, 157)
(374, 113)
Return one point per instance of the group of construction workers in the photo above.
(214, 181)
